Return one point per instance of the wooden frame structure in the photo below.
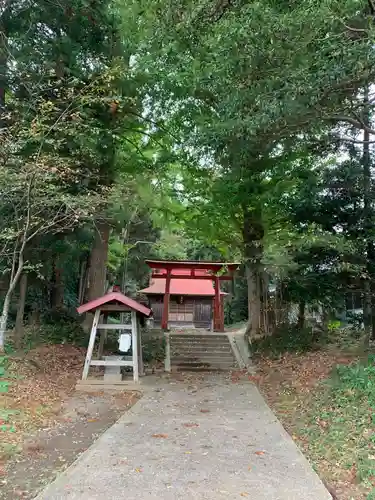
(216, 272)
(115, 302)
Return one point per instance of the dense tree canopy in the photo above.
(202, 130)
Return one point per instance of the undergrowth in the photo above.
(62, 332)
(288, 339)
(4, 384)
(293, 339)
(339, 424)
(153, 349)
(6, 414)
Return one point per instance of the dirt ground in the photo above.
(45, 424)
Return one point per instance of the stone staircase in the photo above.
(200, 352)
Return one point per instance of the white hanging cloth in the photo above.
(124, 342)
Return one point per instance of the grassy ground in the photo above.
(326, 401)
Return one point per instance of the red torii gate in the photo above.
(216, 272)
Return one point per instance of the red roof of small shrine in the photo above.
(114, 297)
(183, 286)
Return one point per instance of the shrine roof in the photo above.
(116, 298)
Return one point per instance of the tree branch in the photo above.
(359, 124)
(356, 141)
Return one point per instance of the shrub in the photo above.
(57, 327)
(288, 339)
(153, 349)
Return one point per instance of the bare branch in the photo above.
(359, 124)
(356, 141)
(355, 30)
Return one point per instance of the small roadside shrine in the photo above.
(187, 293)
(129, 334)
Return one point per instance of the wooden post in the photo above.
(103, 337)
(164, 320)
(222, 319)
(217, 307)
(91, 344)
(167, 360)
(140, 351)
(135, 346)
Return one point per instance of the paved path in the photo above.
(217, 440)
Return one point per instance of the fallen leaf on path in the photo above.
(138, 470)
(205, 411)
(33, 447)
(244, 494)
(161, 436)
(259, 453)
(249, 468)
(191, 425)
(20, 493)
(92, 420)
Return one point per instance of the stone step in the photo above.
(201, 352)
(199, 369)
(217, 338)
(186, 355)
(199, 362)
(208, 358)
(202, 366)
(220, 349)
(197, 351)
(199, 342)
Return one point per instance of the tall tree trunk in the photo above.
(254, 302)
(301, 314)
(266, 311)
(253, 234)
(57, 292)
(98, 267)
(57, 289)
(83, 276)
(17, 268)
(281, 305)
(98, 262)
(3, 59)
(371, 272)
(19, 326)
(367, 217)
(4, 320)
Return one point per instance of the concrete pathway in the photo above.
(210, 440)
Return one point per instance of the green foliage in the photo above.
(236, 306)
(254, 152)
(153, 350)
(288, 338)
(205, 133)
(359, 377)
(341, 421)
(57, 327)
(280, 61)
(4, 384)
